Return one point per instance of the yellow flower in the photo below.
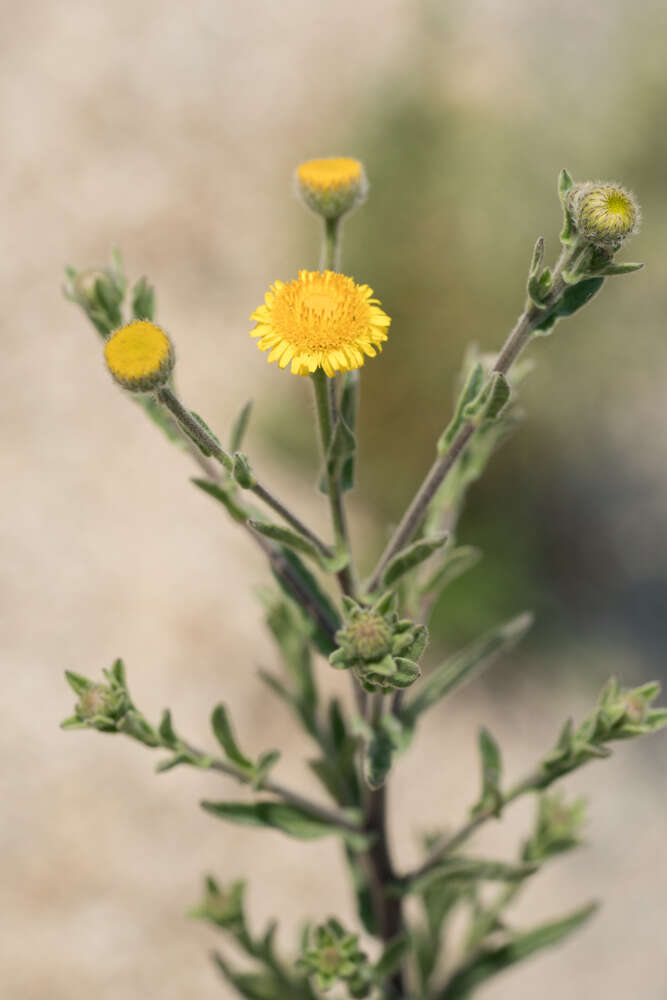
(320, 320)
(332, 186)
(605, 214)
(140, 356)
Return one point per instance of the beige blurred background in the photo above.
(172, 130)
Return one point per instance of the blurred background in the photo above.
(172, 131)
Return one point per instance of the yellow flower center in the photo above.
(321, 319)
(139, 354)
(331, 173)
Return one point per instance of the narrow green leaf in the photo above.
(301, 586)
(470, 870)
(471, 389)
(143, 300)
(573, 298)
(224, 734)
(392, 957)
(73, 722)
(225, 496)
(455, 671)
(289, 819)
(166, 731)
(614, 269)
(287, 537)
(411, 556)
(78, 683)
(240, 427)
(349, 406)
(491, 761)
(265, 762)
(490, 961)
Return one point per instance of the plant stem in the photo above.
(280, 791)
(331, 245)
(387, 907)
(203, 437)
(449, 844)
(324, 415)
(516, 341)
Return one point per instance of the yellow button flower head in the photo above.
(604, 214)
(320, 320)
(140, 356)
(332, 186)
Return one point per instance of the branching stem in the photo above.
(515, 343)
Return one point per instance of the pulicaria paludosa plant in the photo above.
(324, 326)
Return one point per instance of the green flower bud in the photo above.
(334, 957)
(380, 649)
(603, 214)
(223, 907)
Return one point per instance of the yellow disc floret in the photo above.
(140, 356)
(320, 320)
(332, 186)
(605, 214)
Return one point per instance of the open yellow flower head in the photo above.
(332, 186)
(322, 319)
(140, 356)
(604, 214)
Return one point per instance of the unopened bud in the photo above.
(332, 186)
(604, 214)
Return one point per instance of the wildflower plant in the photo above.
(323, 614)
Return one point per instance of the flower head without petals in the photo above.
(320, 320)
(140, 356)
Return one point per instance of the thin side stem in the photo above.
(446, 845)
(515, 343)
(197, 432)
(280, 791)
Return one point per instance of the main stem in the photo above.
(387, 908)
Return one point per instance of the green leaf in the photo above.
(349, 405)
(258, 985)
(224, 734)
(488, 962)
(286, 537)
(411, 556)
(301, 586)
(392, 956)
(470, 870)
(166, 731)
(289, 819)
(73, 722)
(343, 445)
(78, 683)
(239, 428)
(225, 496)
(491, 761)
(455, 671)
(143, 300)
(614, 269)
(456, 562)
(490, 402)
(242, 472)
(379, 754)
(265, 762)
(573, 298)
(362, 890)
(471, 389)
